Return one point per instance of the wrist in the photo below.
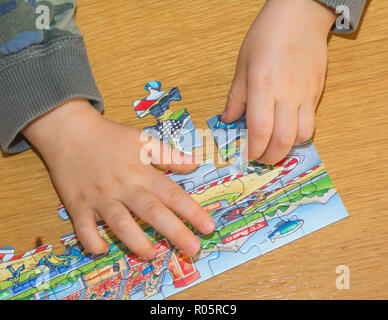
(70, 120)
(310, 14)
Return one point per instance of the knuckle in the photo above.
(263, 81)
(176, 194)
(261, 131)
(284, 141)
(82, 228)
(76, 201)
(153, 209)
(118, 180)
(120, 222)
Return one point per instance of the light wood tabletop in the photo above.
(194, 46)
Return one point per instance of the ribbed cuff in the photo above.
(356, 8)
(39, 79)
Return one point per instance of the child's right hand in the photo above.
(95, 166)
(280, 74)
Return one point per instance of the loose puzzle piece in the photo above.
(174, 128)
(226, 134)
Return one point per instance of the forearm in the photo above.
(39, 68)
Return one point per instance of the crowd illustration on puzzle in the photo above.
(256, 208)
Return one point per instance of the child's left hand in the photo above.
(280, 75)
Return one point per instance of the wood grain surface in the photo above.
(194, 45)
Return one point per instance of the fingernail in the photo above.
(209, 227)
(192, 248)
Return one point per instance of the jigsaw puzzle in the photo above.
(256, 208)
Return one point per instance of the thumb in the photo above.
(236, 102)
(164, 156)
(176, 160)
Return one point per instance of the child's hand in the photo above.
(280, 75)
(95, 166)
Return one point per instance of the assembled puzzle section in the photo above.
(256, 208)
(174, 128)
(255, 211)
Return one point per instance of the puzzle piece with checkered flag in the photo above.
(174, 128)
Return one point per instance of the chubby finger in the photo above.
(284, 134)
(85, 227)
(164, 156)
(306, 123)
(175, 198)
(118, 218)
(236, 101)
(147, 206)
(260, 121)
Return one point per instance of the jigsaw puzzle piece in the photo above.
(217, 198)
(145, 279)
(185, 271)
(19, 275)
(235, 233)
(226, 259)
(189, 138)
(93, 276)
(64, 272)
(157, 102)
(174, 128)
(226, 135)
(72, 286)
(178, 130)
(62, 212)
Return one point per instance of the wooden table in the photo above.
(194, 47)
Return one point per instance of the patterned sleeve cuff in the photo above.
(39, 79)
(351, 12)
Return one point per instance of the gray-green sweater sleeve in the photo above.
(350, 12)
(43, 63)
